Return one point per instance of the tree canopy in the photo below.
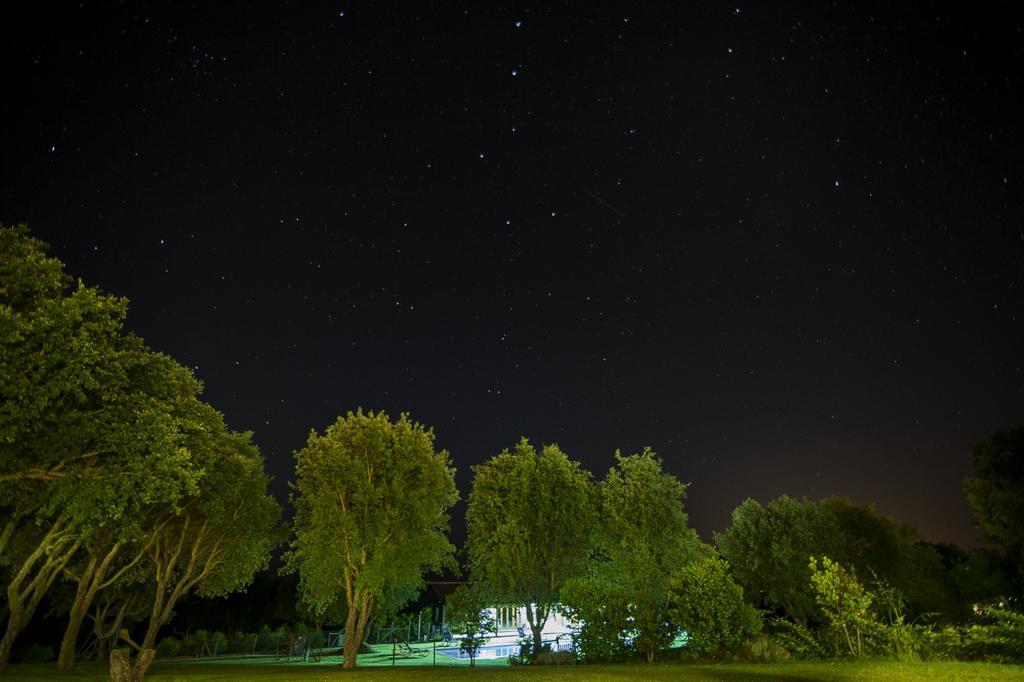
(371, 498)
(92, 423)
(643, 538)
(996, 490)
(530, 527)
(767, 547)
(105, 446)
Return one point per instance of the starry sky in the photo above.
(782, 244)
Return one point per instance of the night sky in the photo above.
(782, 244)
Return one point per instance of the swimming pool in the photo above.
(492, 652)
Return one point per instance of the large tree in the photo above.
(91, 422)
(531, 522)
(218, 538)
(996, 491)
(371, 499)
(767, 549)
(644, 538)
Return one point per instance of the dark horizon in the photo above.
(781, 246)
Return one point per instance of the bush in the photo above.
(998, 638)
(603, 611)
(192, 643)
(555, 658)
(704, 601)
(265, 639)
(315, 639)
(216, 643)
(33, 653)
(242, 642)
(168, 647)
(797, 639)
(762, 648)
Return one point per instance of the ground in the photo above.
(267, 669)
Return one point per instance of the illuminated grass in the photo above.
(264, 669)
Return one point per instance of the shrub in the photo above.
(762, 648)
(797, 639)
(555, 658)
(999, 637)
(265, 639)
(315, 639)
(602, 612)
(704, 601)
(844, 601)
(168, 647)
(466, 610)
(938, 644)
(33, 653)
(192, 643)
(216, 643)
(242, 642)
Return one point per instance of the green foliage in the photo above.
(81, 399)
(999, 637)
(169, 647)
(706, 603)
(95, 429)
(996, 635)
(643, 537)
(796, 638)
(763, 648)
(371, 499)
(845, 603)
(644, 533)
(876, 545)
(466, 610)
(602, 612)
(768, 546)
(222, 535)
(981, 575)
(530, 521)
(996, 491)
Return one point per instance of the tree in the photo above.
(643, 538)
(466, 609)
(530, 525)
(110, 552)
(980, 575)
(844, 601)
(371, 500)
(219, 537)
(91, 422)
(996, 491)
(876, 545)
(767, 549)
(706, 603)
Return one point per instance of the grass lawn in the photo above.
(267, 669)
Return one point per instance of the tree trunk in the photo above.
(153, 628)
(355, 628)
(122, 669)
(83, 600)
(536, 619)
(105, 635)
(7, 643)
(351, 647)
(69, 643)
(25, 590)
